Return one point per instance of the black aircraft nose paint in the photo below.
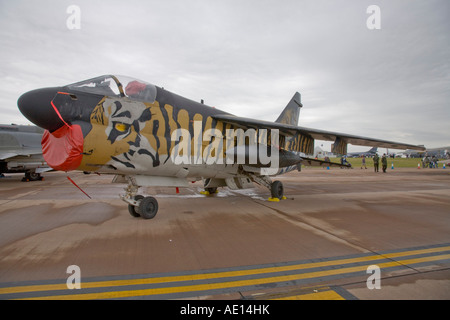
(36, 106)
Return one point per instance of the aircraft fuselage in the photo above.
(130, 127)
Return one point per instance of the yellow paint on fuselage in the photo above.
(99, 150)
(164, 120)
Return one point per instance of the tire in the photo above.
(148, 207)
(31, 176)
(132, 209)
(35, 176)
(277, 189)
(211, 190)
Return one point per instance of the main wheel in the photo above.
(277, 189)
(132, 209)
(212, 190)
(148, 207)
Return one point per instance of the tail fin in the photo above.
(374, 149)
(291, 113)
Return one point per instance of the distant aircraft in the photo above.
(369, 153)
(21, 151)
(147, 136)
(441, 152)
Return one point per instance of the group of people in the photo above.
(430, 163)
(427, 162)
(376, 161)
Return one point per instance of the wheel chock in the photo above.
(276, 199)
(206, 193)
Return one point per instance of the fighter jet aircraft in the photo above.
(368, 153)
(148, 136)
(21, 151)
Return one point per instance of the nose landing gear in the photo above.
(138, 205)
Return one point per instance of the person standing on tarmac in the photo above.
(363, 163)
(384, 162)
(375, 162)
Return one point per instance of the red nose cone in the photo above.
(63, 148)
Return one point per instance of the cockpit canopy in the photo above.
(118, 86)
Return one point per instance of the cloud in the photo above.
(248, 58)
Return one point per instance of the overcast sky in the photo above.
(248, 58)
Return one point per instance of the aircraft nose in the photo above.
(37, 107)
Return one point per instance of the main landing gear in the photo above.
(277, 191)
(147, 207)
(209, 191)
(275, 187)
(140, 206)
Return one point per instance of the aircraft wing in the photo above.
(7, 155)
(291, 130)
(10, 153)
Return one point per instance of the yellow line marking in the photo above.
(231, 284)
(206, 276)
(317, 293)
(322, 295)
(225, 274)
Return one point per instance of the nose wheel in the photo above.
(146, 208)
(32, 176)
(139, 206)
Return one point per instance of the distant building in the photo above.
(320, 153)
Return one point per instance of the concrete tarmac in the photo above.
(332, 226)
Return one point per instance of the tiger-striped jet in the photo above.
(148, 136)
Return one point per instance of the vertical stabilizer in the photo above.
(291, 113)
